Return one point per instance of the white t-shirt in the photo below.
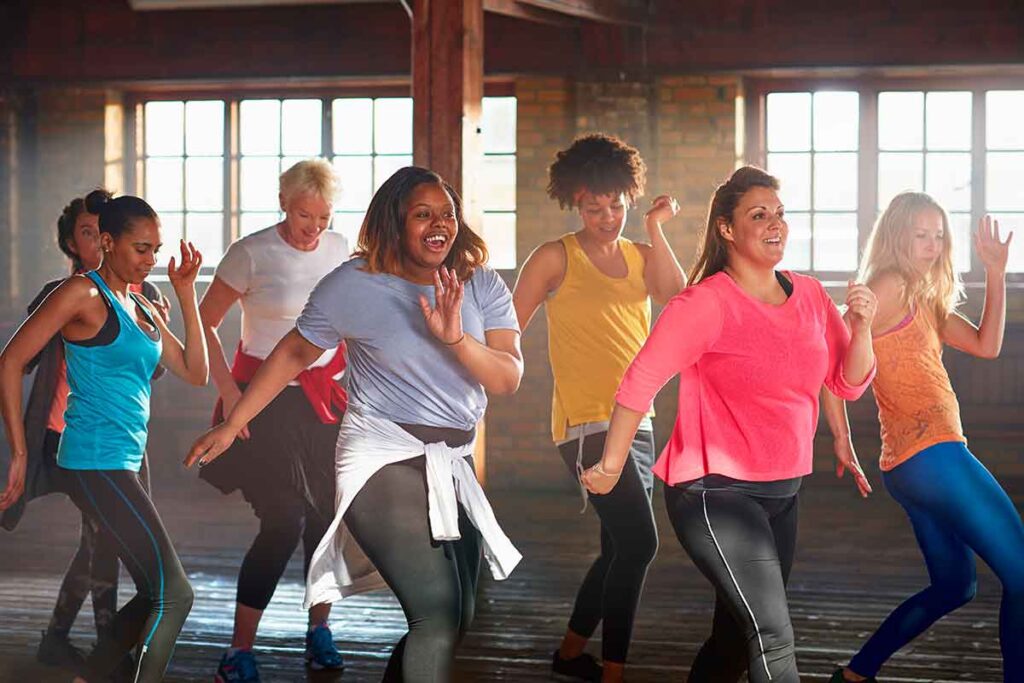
(275, 280)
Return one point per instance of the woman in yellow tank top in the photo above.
(597, 286)
(955, 505)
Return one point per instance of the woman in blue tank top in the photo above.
(113, 341)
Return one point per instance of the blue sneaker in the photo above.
(320, 650)
(238, 668)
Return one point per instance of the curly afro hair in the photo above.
(597, 163)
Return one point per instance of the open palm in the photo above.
(992, 252)
(444, 319)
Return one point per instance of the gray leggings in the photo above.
(435, 582)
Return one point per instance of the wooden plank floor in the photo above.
(856, 560)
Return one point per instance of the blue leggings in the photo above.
(957, 509)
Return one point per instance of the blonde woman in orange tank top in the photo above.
(955, 505)
(597, 287)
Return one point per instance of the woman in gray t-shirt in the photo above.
(429, 331)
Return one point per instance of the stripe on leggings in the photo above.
(103, 519)
(757, 630)
(159, 561)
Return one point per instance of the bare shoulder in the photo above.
(77, 288)
(548, 259)
(889, 288)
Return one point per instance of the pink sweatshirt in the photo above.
(749, 378)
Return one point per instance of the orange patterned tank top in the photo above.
(916, 404)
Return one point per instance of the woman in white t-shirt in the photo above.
(283, 461)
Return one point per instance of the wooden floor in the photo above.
(856, 560)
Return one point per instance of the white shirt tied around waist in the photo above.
(339, 568)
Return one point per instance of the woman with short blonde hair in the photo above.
(286, 470)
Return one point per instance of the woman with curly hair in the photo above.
(597, 286)
(429, 330)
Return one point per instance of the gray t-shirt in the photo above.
(396, 369)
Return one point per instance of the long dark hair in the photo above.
(381, 235)
(712, 255)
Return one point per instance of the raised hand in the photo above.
(846, 459)
(663, 208)
(444, 320)
(992, 252)
(183, 276)
(210, 445)
(861, 306)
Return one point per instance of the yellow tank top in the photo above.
(916, 404)
(596, 326)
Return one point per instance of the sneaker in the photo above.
(582, 668)
(320, 650)
(837, 677)
(238, 668)
(55, 649)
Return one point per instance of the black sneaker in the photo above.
(837, 677)
(55, 649)
(581, 668)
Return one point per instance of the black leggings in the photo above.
(610, 592)
(744, 545)
(94, 568)
(119, 504)
(435, 581)
(265, 562)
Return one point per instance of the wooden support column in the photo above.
(447, 89)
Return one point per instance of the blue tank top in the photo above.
(108, 407)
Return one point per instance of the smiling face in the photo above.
(430, 229)
(306, 216)
(927, 238)
(603, 216)
(85, 240)
(758, 231)
(132, 254)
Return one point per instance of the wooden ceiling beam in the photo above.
(519, 10)
(623, 12)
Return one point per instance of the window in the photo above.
(211, 197)
(842, 153)
(183, 173)
(812, 146)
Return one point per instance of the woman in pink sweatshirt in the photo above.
(753, 347)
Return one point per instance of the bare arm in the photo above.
(541, 274)
(496, 364)
(834, 409)
(663, 275)
(189, 360)
(621, 431)
(292, 355)
(985, 340)
(63, 306)
(860, 356)
(217, 301)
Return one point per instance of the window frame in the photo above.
(232, 95)
(757, 88)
